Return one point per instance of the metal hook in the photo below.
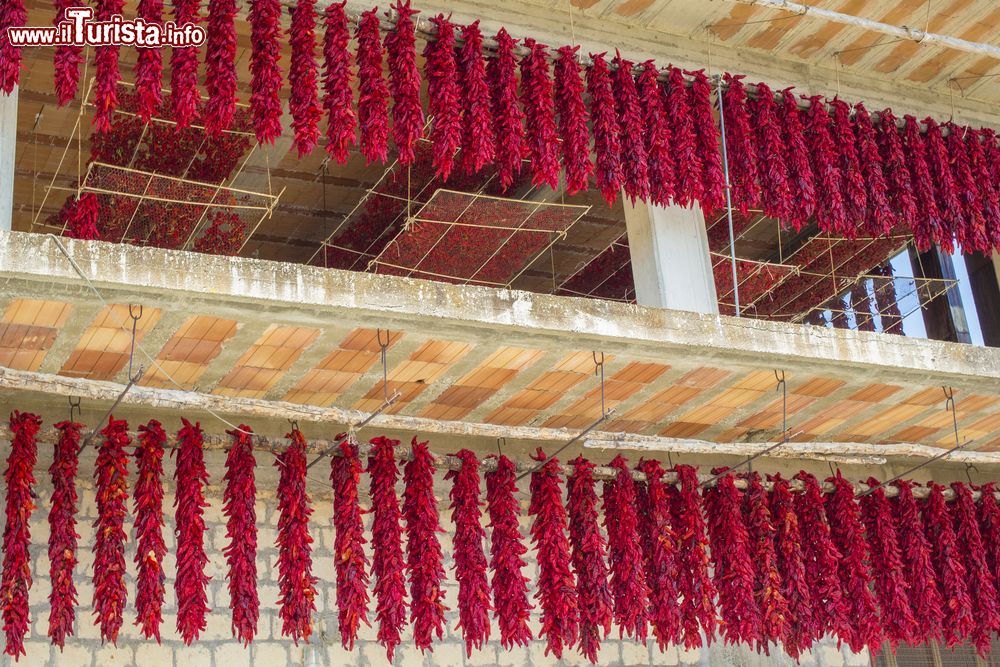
(294, 423)
(969, 466)
(599, 368)
(784, 403)
(385, 373)
(74, 407)
(501, 441)
(949, 404)
(131, 353)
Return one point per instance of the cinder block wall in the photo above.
(216, 648)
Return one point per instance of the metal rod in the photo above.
(360, 425)
(569, 442)
(729, 197)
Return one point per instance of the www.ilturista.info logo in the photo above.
(79, 29)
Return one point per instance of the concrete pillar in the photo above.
(671, 264)
(8, 141)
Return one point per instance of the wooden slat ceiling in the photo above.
(486, 381)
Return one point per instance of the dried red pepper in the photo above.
(470, 559)
(610, 172)
(373, 92)
(150, 546)
(918, 569)
(659, 157)
(879, 218)
(111, 477)
(556, 590)
(303, 100)
(799, 630)
(20, 501)
(296, 585)
(572, 121)
(444, 96)
(510, 586)
(958, 621)
(184, 68)
(831, 209)
(989, 524)
(67, 57)
(81, 221)
(238, 506)
(897, 173)
(767, 584)
(220, 66)
(341, 120)
(106, 76)
(478, 141)
(982, 150)
(508, 119)
(190, 504)
(632, 132)
(404, 83)
(62, 532)
(732, 563)
(800, 172)
(772, 170)
(949, 202)
(971, 225)
(855, 192)
(683, 145)
(696, 588)
(540, 115)
(740, 149)
(349, 556)
(706, 133)
(13, 14)
(982, 585)
(589, 558)
(659, 544)
(387, 543)
(149, 66)
(265, 81)
(926, 225)
(862, 628)
(628, 582)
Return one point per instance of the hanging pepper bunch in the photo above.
(349, 556)
(404, 83)
(767, 582)
(887, 566)
(659, 545)
(831, 209)
(982, 586)
(82, 217)
(589, 552)
(879, 218)
(799, 629)
(62, 532)
(67, 57)
(265, 79)
(510, 586)
(184, 69)
(688, 186)
(508, 119)
(862, 628)
(470, 559)
(989, 521)
(148, 66)
(610, 172)
(733, 566)
(297, 586)
(706, 132)
(971, 228)
(632, 132)
(958, 620)
(387, 542)
(540, 115)
(190, 504)
(444, 96)
(220, 66)
(111, 476)
(557, 594)
(373, 93)
(628, 582)
(801, 181)
(740, 149)
(949, 203)
(918, 569)
(423, 550)
(341, 121)
(696, 588)
(13, 14)
(150, 546)
(982, 151)
(926, 225)
(106, 76)
(855, 190)
(303, 101)
(659, 158)
(16, 578)
(897, 174)
(572, 121)
(238, 506)
(775, 192)
(478, 141)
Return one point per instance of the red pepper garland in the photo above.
(862, 628)
(470, 559)
(659, 544)
(81, 222)
(148, 66)
(632, 132)
(628, 582)
(67, 58)
(12, 15)
(190, 504)
(740, 149)
(238, 506)
(510, 586)
(855, 190)
(733, 567)
(220, 66)
(150, 546)
(801, 180)
(423, 550)
(798, 633)
(589, 558)
(508, 119)
(659, 158)
(296, 585)
(831, 210)
(572, 121)
(404, 83)
(387, 543)
(878, 213)
(610, 172)
(478, 141)
(706, 132)
(949, 203)
(16, 579)
(982, 586)
(887, 566)
(184, 68)
(988, 156)
(895, 167)
(444, 96)
(683, 145)
(540, 115)
(303, 101)
(107, 74)
(556, 590)
(926, 224)
(111, 476)
(971, 229)
(958, 621)
(265, 82)
(989, 522)
(918, 570)
(775, 195)
(341, 121)
(349, 556)
(62, 532)
(761, 533)
(696, 588)
(373, 93)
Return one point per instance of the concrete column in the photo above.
(8, 140)
(671, 264)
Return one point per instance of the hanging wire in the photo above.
(132, 379)
(74, 406)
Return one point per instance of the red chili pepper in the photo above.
(238, 506)
(265, 72)
(799, 630)
(610, 172)
(13, 14)
(879, 217)
(926, 226)
(632, 132)
(688, 186)
(296, 585)
(387, 538)
(508, 119)
(659, 156)
(982, 586)
(404, 83)
(800, 172)
(303, 100)
(762, 535)
(106, 76)
(478, 140)
(184, 96)
(918, 569)
(706, 133)
(111, 476)
(148, 65)
(62, 532)
(628, 582)
(444, 96)
(589, 558)
(81, 220)
(659, 544)
(985, 157)
(572, 121)
(150, 546)
(740, 148)
(67, 58)
(831, 209)
(897, 172)
(958, 621)
(191, 582)
(949, 204)
(970, 227)
(349, 556)
(540, 115)
(696, 588)
(775, 192)
(989, 523)
(337, 84)
(220, 66)
(373, 92)
(855, 192)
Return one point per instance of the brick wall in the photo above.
(216, 648)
